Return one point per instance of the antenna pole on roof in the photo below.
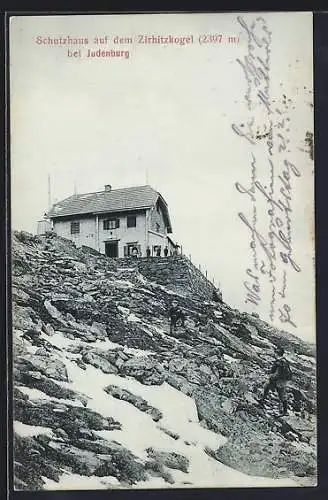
(75, 188)
(49, 192)
(147, 177)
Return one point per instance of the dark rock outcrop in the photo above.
(136, 401)
(82, 300)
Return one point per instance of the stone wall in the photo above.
(176, 273)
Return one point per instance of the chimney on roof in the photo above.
(108, 187)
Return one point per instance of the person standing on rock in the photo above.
(280, 374)
(175, 315)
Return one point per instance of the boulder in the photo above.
(305, 429)
(136, 401)
(99, 362)
(48, 329)
(279, 460)
(42, 352)
(145, 369)
(55, 415)
(74, 331)
(171, 460)
(51, 367)
(53, 311)
(99, 329)
(79, 461)
(19, 296)
(177, 364)
(235, 344)
(215, 409)
(80, 364)
(122, 464)
(18, 346)
(22, 319)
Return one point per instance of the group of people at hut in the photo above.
(157, 252)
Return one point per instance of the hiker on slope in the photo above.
(175, 315)
(280, 374)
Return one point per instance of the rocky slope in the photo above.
(105, 398)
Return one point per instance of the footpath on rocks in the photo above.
(105, 398)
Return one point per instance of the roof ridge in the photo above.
(115, 189)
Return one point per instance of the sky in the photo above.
(163, 117)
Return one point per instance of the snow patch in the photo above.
(37, 395)
(77, 482)
(179, 416)
(137, 352)
(57, 340)
(133, 318)
(33, 393)
(144, 290)
(25, 430)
